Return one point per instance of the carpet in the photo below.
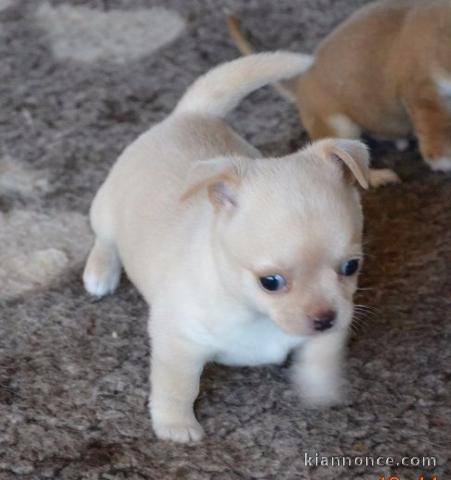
(79, 80)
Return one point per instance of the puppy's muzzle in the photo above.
(323, 320)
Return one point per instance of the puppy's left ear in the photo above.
(353, 155)
(221, 178)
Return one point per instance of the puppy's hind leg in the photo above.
(103, 269)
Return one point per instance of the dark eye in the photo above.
(273, 283)
(350, 267)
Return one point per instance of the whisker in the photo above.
(358, 325)
(364, 313)
(368, 308)
(365, 310)
(366, 316)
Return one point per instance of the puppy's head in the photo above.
(287, 232)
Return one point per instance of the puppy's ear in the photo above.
(353, 155)
(221, 177)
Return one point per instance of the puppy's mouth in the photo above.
(298, 329)
(310, 327)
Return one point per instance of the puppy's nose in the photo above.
(323, 320)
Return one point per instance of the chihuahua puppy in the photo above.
(387, 71)
(241, 258)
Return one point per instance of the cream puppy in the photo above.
(241, 258)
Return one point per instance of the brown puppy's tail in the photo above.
(286, 88)
(233, 25)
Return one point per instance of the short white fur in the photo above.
(196, 255)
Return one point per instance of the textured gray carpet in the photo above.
(77, 86)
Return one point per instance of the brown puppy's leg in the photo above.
(341, 126)
(432, 122)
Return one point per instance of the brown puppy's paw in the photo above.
(441, 164)
(383, 176)
(401, 144)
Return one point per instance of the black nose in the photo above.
(324, 320)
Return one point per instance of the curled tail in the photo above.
(286, 88)
(220, 90)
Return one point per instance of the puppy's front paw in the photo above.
(401, 144)
(383, 176)
(318, 388)
(179, 431)
(442, 164)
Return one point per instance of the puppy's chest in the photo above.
(255, 342)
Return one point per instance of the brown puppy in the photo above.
(386, 70)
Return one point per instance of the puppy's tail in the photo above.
(220, 90)
(234, 27)
(286, 88)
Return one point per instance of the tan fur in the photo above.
(359, 172)
(378, 72)
(193, 214)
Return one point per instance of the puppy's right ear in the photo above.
(221, 177)
(352, 155)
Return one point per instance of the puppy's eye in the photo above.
(273, 283)
(350, 267)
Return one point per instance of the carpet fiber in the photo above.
(79, 81)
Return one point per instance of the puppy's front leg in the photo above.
(317, 371)
(175, 373)
(432, 121)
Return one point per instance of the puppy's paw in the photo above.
(102, 272)
(383, 176)
(179, 431)
(100, 286)
(318, 388)
(442, 164)
(401, 144)
(99, 283)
